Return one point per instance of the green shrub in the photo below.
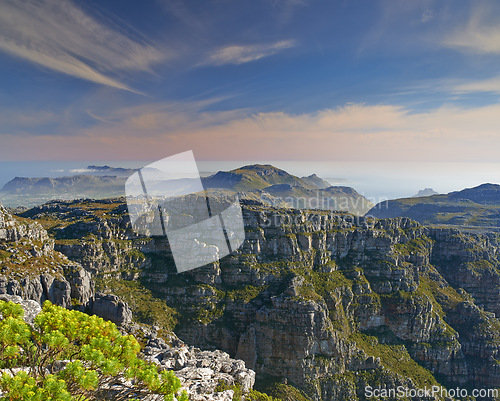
(223, 386)
(396, 359)
(254, 395)
(69, 355)
(285, 392)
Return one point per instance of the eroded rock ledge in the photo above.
(200, 372)
(324, 300)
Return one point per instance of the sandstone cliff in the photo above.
(326, 301)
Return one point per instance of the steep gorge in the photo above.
(326, 301)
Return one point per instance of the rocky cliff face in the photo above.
(12, 230)
(327, 301)
(31, 268)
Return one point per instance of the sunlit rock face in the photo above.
(326, 300)
(32, 269)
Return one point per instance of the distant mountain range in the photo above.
(107, 170)
(425, 192)
(23, 191)
(472, 207)
(261, 176)
(264, 183)
(274, 186)
(71, 185)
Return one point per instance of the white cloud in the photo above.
(478, 36)
(485, 85)
(355, 132)
(62, 37)
(427, 15)
(240, 54)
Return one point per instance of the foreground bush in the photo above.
(69, 355)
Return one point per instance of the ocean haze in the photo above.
(376, 181)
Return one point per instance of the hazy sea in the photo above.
(376, 181)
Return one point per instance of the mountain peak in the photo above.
(315, 181)
(252, 177)
(262, 169)
(484, 193)
(425, 192)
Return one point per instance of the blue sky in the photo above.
(381, 81)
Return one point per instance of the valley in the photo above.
(323, 301)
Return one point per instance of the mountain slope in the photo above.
(478, 206)
(264, 183)
(326, 301)
(70, 185)
(279, 188)
(331, 198)
(256, 176)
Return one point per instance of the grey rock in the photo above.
(81, 283)
(199, 371)
(31, 308)
(39, 288)
(112, 308)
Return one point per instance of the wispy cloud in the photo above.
(478, 36)
(240, 54)
(427, 15)
(286, 8)
(26, 119)
(161, 117)
(60, 36)
(484, 85)
(355, 132)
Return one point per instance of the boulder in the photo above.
(112, 308)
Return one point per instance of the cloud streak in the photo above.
(59, 36)
(355, 132)
(241, 54)
(478, 36)
(484, 85)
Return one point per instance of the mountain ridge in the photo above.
(326, 301)
(263, 182)
(474, 207)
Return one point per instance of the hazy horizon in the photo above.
(376, 181)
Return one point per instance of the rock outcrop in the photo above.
(32, 269)
(12, 230)
(200, 372)
(328, 301)
(110, 307)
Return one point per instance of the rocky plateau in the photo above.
(321, 301)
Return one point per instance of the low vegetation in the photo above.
(396, 359)
(69, 355)
(146, 308)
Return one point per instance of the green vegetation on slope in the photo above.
(472, 207)
(396, 359)
(146, 308)
(69, 355)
